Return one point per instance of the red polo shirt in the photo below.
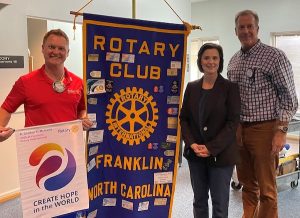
(41, 103)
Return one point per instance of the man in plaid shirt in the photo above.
(268, 103)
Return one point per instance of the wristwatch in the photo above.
(283, 129)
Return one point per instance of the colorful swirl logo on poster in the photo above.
(52, 164)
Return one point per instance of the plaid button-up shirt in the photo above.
(266, 83)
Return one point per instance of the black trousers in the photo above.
(215, 180)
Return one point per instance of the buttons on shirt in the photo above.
(205, 128)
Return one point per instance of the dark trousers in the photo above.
(214, 179)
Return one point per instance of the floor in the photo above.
(288, 199)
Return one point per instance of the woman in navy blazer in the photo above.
(209, 118)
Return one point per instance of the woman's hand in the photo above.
(200, 150)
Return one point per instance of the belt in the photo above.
(246, 123)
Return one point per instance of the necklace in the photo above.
(58, 85)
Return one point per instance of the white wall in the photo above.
(217, 19)
(13, 41)
(36, 29)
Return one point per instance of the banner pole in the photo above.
(133, 9)
(76, 13)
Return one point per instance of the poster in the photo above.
(52, 169)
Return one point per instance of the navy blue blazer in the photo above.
(213, 124)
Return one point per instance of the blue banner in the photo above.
(134, 72)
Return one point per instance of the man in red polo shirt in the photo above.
(50, 94)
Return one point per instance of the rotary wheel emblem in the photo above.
(132, 115)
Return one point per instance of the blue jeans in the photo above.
(205, 178)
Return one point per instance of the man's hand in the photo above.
(5, 133)
(86, 123)
(278, 142)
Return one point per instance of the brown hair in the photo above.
(211, 46)
(247, 12)
(57, 32)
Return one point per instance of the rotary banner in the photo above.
(52, 169)
(134, 73)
